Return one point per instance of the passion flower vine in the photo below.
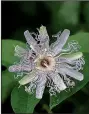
(53, 66)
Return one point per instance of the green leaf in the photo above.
(86, 13)
(64, 15)
(8, 58)
(28, 8)
(22, 102)
(83, 40)
(55, 100)
(8, 47)
(83, 108)
(8, 82)
(68, 12)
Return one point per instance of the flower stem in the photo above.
(46, 107)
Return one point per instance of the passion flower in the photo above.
(53, 66)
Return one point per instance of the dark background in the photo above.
(18, 16)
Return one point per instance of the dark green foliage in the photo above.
(56, 16)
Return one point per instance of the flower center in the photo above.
(45, 63)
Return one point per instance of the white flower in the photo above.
(52, 66)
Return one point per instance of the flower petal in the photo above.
(19, 68)
(72, 73)
(19, 51)
(31, 41)
(58, 81)
(29, 38)
(28, 78)
(74, 59)
(57, 46)
(73, 56)
(40, 86)
(43, 33)
(43, 37)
